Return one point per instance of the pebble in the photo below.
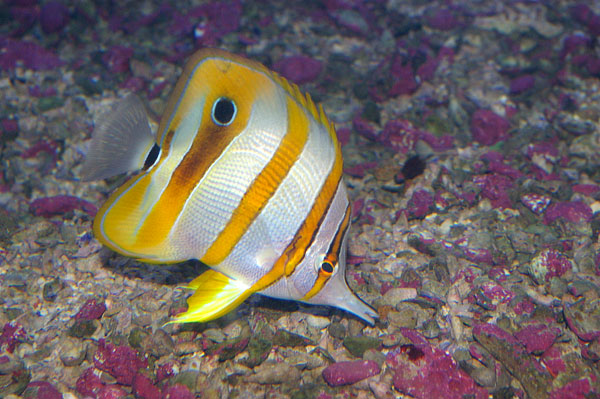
(318, 322)
(346, 373)
(396, 295)
(274, 373)
(72, 351)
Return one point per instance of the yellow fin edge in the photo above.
(215, 296)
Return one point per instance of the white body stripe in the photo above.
(285, 212)
(215, 197)
(301, 281)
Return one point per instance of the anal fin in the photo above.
(215, 296)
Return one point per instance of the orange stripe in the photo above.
(295, 251)
(116, 219)
(333, 256)
(232, 81)
(263, 187)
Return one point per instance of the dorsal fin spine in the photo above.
(306, 101)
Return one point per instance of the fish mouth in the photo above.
(336, 293)
(358, 307)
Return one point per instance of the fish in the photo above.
(244, 174)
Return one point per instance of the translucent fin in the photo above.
(121, 141)
(215, 296)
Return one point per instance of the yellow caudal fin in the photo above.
(215, 296)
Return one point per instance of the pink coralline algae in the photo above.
(495, 188)
(12, 335)
(488, 128)
(366, 128)
(537, 203)
(218, 18)
(42, 146)
(346, 373)
(573, 211)
(478, 255)
(360, 169)
(89, 383)
(122, 362)
(29, 54)
(60, 204)
(492, 294)
(424, 371)
(143, 388)
(111, 392)
(524, 307)
(91, 310)
(546, 149)
(586, 189)
(299, 69)
(549, 263)
(584, 15)
(522, 84)
(537, 338)
(573, 390)
(41, 390)
(441, 19)
(496, 164)
(420, 204)
(54, 16)
(400, 135)
(552, 360)
(117, 58)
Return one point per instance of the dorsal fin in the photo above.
(306, 101)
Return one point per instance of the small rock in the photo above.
(346, 373)
(258, 350)
(41, 390)
(275, 373)
(547, 264)
(337, 330)
(583, 318)
(374, 355)
(214, 334)
(137, 336)
(358, 345)
(91, 310)
(317, 322)
(50, 290)
(396, 295)
(72, 352)
(286, 338)
(507, 350)
(178, 391)
(228, 349)
(83, 328)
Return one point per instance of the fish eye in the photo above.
(223, 111)
(151, 157)
(327, 267)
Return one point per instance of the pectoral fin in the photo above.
(216, 295)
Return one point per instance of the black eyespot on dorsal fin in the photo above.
(152, 156)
